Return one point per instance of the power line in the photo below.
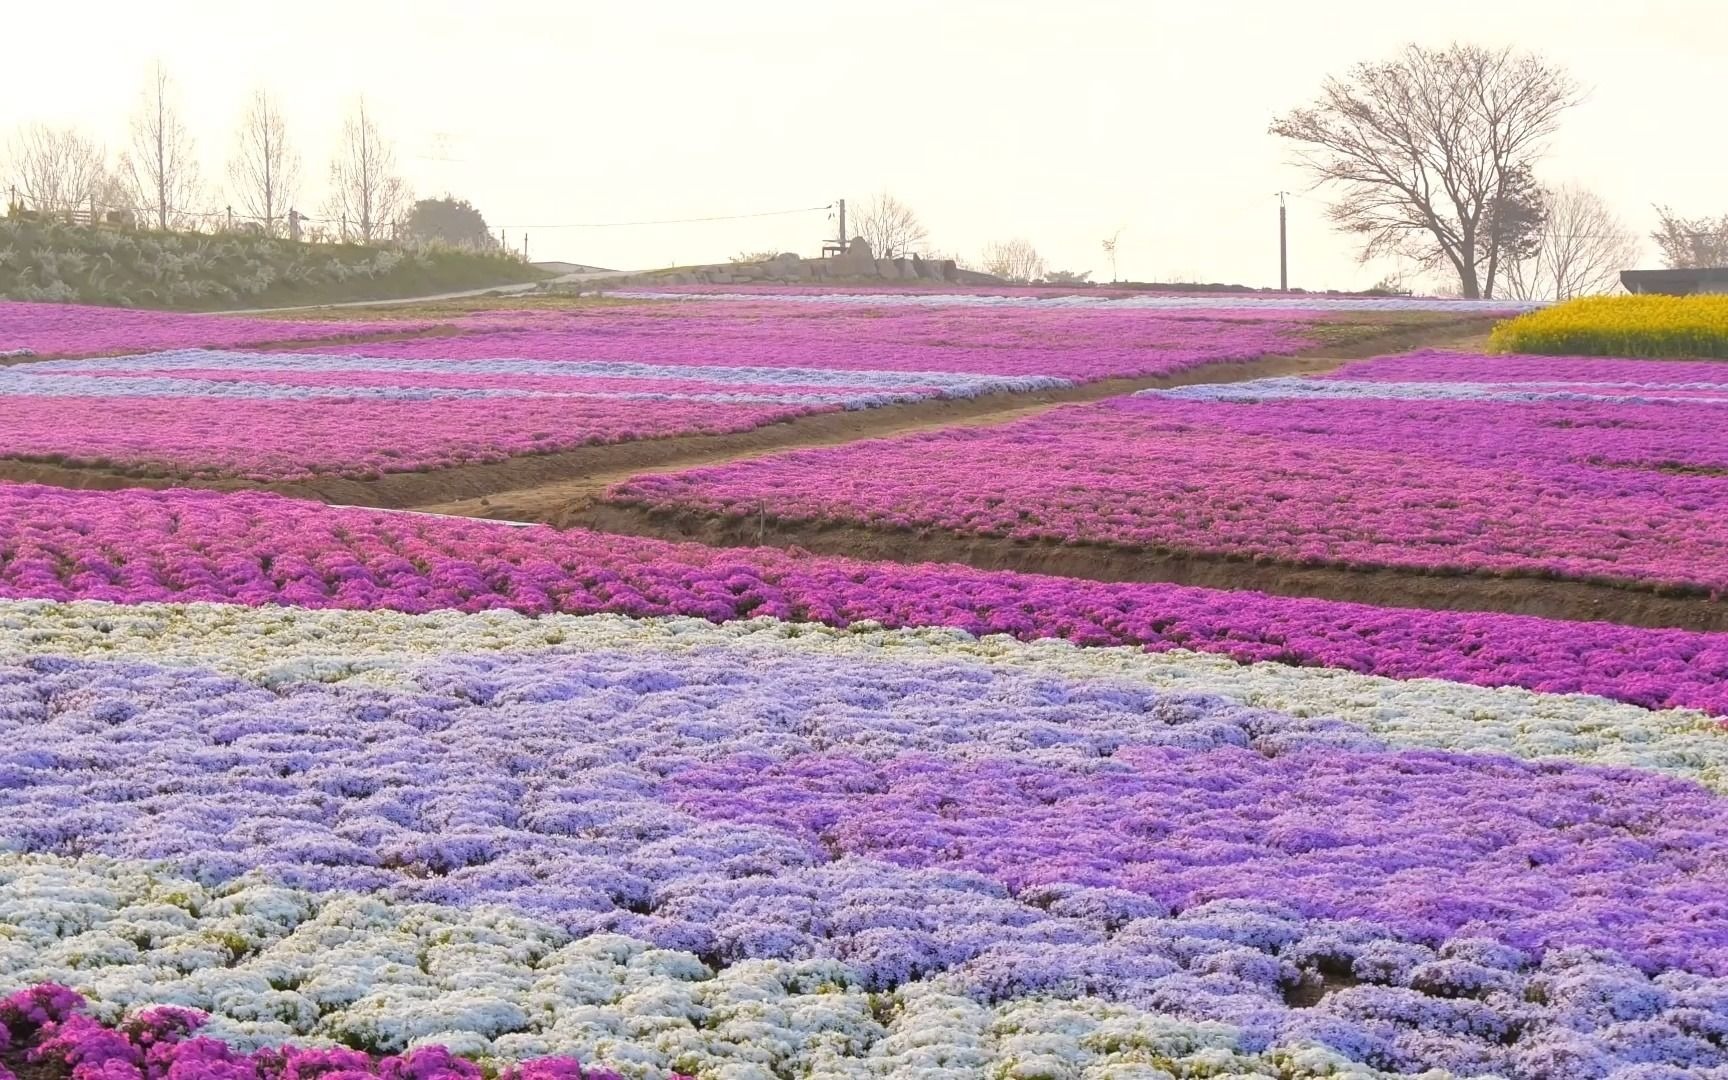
(672, 221)
(25, 196)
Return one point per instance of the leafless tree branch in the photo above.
(890, 226)
(57, 169)
(1424, 147)
(264, 171)
(1691, 243)
(160, 164)
(1013, 260)
(366, 192)
(1581, 248)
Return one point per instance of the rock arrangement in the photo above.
(857, 263)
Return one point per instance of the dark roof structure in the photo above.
(1676, 282)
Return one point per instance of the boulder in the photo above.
(886, 268)
(858, 260)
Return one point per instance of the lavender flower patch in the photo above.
(581, 789)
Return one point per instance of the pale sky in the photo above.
(1056, 121)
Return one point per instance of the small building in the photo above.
(1676, 282)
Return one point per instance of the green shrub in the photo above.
(51, 261)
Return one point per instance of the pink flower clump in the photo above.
(1077, 344)
(540, 382)
(46, 1027)
(249, 548)
(1591, 490)
(287, 440)
(81, 330)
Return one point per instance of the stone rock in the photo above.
(858, 260)
(886, 268)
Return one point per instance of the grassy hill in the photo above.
(41, 260)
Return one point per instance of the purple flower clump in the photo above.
(134, 546)
(46, 1027)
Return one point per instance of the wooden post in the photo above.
(1283, 249)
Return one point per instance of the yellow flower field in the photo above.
(1656, 326)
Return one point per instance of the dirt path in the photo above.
(464, 294)
(370, 337)
(608, 465)
(1546, 597)
(542, 487)
(559, 485)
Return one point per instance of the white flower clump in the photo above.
(272, 964)
(283, 647)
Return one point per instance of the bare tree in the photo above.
(890, 226)
(159, 164)
(1426, 146)
(1579, 249)
(365, 190)
(264, 171)
(1110, 245)
(57, 169)
(1691, 243)
(1068, 277)
(1014, 260)
(960, 261)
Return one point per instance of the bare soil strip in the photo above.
(549, 481)
(543, 487)
(285, 345)
(570, 481)
(1629, 603)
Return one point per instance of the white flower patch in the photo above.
(322, 969)
(283, 647)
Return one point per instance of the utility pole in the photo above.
(842, 226)
(1283, 247)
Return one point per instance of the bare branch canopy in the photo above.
(1425, 147)
(160, 163)
(366, 192)
(1691, 243)
(264, 171)
(1013, 260)
(1579, 249)
(57, 169)
(890, 226)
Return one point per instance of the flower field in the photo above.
(516, 384)
(1660, 326)
(1046, 297)
(137, 547)
(756, 814)
(1603, 471)
(75, 330)
(294, 791)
